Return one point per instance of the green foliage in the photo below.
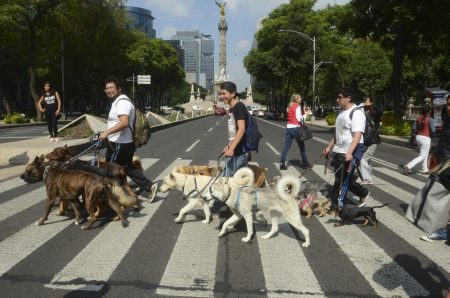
(396, 129)
(331, 119)
(15, 118)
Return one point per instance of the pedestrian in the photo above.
(366, 161)
(348, 149)
(424, 127)
(237, 122)
(443, 148)
(296, 114)
(121, 148)
(443, 156)
(51, 108)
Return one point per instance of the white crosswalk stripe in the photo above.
(191, 270)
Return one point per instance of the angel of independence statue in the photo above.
(222, 7)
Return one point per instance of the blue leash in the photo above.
(346, 183)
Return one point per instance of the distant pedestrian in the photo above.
(366, 161)
(51, 108)
(348, 149)
(296, 116)
(424, 127)
(237, 123)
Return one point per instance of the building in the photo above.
(177, 45)
(198, 57)
(142, 20)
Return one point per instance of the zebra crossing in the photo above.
(194, 261)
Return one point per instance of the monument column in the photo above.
(223, 27)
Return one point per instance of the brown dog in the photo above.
(34, 173)
(260, 173)
(70, 184)
(63, 154)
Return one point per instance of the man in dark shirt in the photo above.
(237, 122)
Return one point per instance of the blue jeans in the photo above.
(234, 163)
(293, 133)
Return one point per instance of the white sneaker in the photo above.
(52, 140)
(152, 193)
(56, 139)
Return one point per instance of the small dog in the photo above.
(241, 197)
(198, 170)
(349, 212)
(313, 203)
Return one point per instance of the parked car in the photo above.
(250, 110)
(220, 111)
(271, 115)
(178, 108)
(260, 113)
(197, 108)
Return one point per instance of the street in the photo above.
(155, 257)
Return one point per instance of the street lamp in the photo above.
(315, 66)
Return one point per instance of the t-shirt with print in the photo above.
(345, 129)
(121, 106)
(50, 100)
(238, 112)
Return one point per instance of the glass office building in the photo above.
(142, 20)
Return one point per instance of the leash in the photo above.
(88, 150)
(308, 169)
(344, 186)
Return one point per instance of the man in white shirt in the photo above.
(348, 149)
(121, 147)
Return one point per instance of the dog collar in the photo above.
(306, 201)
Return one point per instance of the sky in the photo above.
(243, 18)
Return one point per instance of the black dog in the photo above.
(348, 213)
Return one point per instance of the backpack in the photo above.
(371, 130)
(252, 135)
(141, 128)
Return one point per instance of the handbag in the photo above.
(412, 139)
(304, 133)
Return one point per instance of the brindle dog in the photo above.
(63, 154)
(35, 170)
(70, 184)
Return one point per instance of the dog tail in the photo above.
(137, 163)
(288, 187)
(379, 206)
(124, 199)
(244, 177)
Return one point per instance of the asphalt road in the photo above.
(155, 257)
(12, 134)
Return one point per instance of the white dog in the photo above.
(194, 188)
(240, 196)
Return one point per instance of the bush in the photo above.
(396, 129)
(15, 118)
(331, 119)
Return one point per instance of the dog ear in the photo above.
(41, 159)
(65, 146)
(172, 176)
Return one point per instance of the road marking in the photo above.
(209, 130)
(192, 146)
(273, 149)
(96, 262)
(286, 269)
(22, 202)
(403, 178)
(385, 163)
(386, 277)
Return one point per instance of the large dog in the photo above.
(34, 172)
(194, 188)
(70, 184)
(240, 196)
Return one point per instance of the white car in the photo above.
(197, 108)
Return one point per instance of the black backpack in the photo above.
(252, 135)
(371, 130)
(141, 128)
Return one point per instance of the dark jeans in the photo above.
(122, 154)
(343, 170)
(52, 121)
(291, 134)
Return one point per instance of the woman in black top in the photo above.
(51, 108)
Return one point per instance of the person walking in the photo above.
(51, 109)
(121, 147)
(425, 128)
(443, 147)
(237, 122)
(366, 162)
(348, 149)
(296, 115)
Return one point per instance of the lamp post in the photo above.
(313, 40)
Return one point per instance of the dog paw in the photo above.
(125, 223)
(265, 236)
(221, 234)
(39, 222)
(205, 221)
(178, 220)
(60, 213)
(245, 239)
(305, 244)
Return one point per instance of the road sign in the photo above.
(144, 79)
